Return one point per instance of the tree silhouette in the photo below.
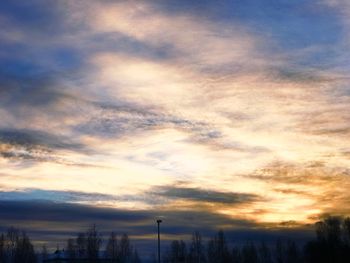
(71, 248)
(249, 253)
(177, 252)
(218, 250)
(81, 245)
(346, 228)
(236, 255)
(12, 237)
(196, 253)
(292, 253)
(112, 247)
(125, 249)
(279, 252)
(346, 238)
(330, 245)
(2, 248)
(264, 253)
(135, 257)
(16, 247)
(24, 250)
(44, 254)
(93, 243)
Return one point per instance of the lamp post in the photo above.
(158, 222)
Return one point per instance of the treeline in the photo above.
(332, 242)
(217, 250)
(15, 247)
(332, 245)
(88, 246)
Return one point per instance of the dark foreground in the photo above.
(331, 245)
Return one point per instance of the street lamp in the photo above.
(158, 222)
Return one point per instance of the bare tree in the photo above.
(93, 243)
(12, 236)
(218, 250)
(329, 245)
(196, 253)
(292, 253)
(125, 249)
(71, 248)
(2, 248)
(44, 254)
(176, 253)
(329, 230)
(264, 253)
(136, 257)
(279, 252)
(249, 253)
(236, 255)
(81, 245)
(24, 250)
(346, 230)
(112, 247)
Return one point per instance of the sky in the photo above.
(210, 115)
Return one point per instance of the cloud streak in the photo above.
(56, 222)
(201, 195)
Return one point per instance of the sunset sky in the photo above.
(208, 114)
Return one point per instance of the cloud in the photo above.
(32, 139)
(52, 195)
(35, 145)
(33, 91)
(312, 188)
(202, 195)
(60, 212)
(55, 222)
(244, 102)
(35, 101)
(120, 119)
(185, 33)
